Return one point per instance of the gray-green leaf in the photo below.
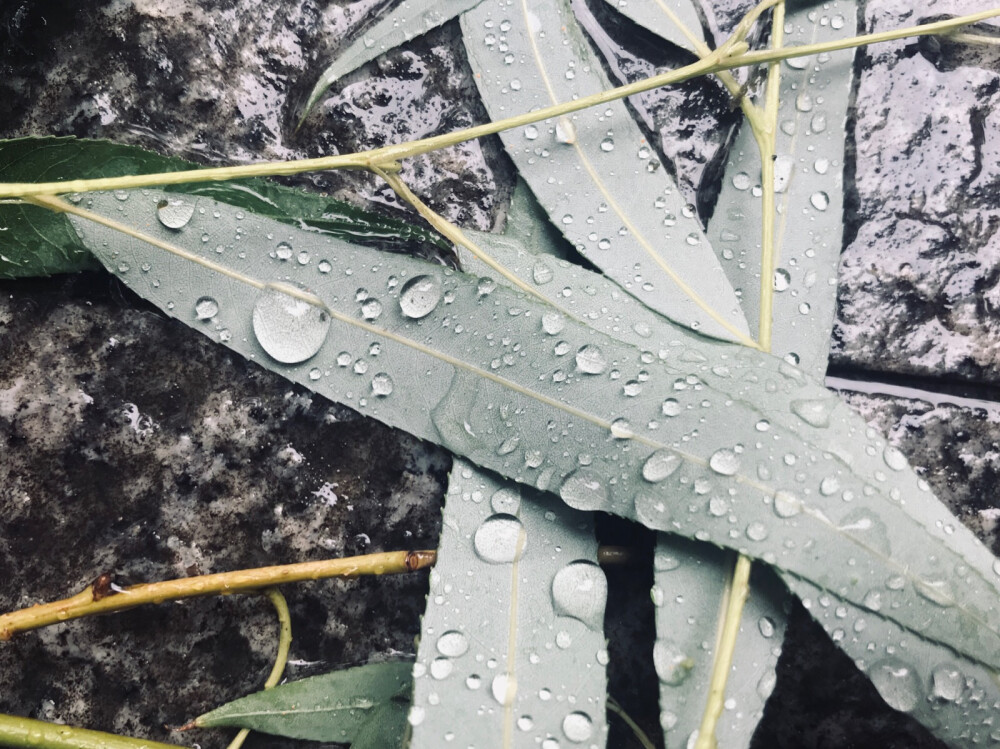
(513, 651)
(676, 21)
(477, 368)
(593, 171)
(340, 706)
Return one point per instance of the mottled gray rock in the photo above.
(920, 280)
(135, 447)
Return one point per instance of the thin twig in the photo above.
(90, 601)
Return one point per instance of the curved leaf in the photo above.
(513, 650)
(339, 706)
(809, 149)
(404, 22)
(676, 21)
(587, 169)
(483, 374)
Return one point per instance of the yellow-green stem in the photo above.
(280, 658)
(640, 735)
(92, 600)
(37, 734)
(719, 60)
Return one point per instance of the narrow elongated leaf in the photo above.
(515, 615)
(339, 706)
(588, 169)
(407, 20)
(676, 21)
(469, 364)
(37, 242)
(956, 698)
(809, 191)
(689, 585)
(387, 726)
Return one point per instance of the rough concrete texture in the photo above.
(920, 280)
(131, 445)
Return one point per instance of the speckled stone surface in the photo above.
(131, 445)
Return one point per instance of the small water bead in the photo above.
(718, 507)
(506, 501)
(360, 366)
(604, 244)
(782, 280)
(671, 407)
(578, 727)
(206, 308)
(894, 458)
(829, 485)
(756, 531)
(947, 683)
(289, 329)
(473, 681)
(897, 683)
(565, 131)
(621, 429)
(283, 251)
(938, 592)
(580, 590)
(416, 715)
(786, 504)
(541, 273)
(672, 664)
(584, 490)
(531, 132)
(174, 213)
(344, 359)
(804, 308)
(441, 668)
(419, 296)
(485, 286)
(324, 266)
(608, 144)
(553, 322)
(591, 360)
(742, 181)
(382, 384)
(872, 600)
(815, 413)
(820, 200)
(724, 462)
(563, 639)
(515, 84)
(315, 373)
(500, 539)
(818, 123)
(302, 258)
(525, 723)
(504, 688)
(371, 308)
(452, 643)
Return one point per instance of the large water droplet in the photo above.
(289, 329)
(580, 590)
(897, 682)
(815, 413)
(504, 688)
(206, 308)
(553, 322)
(724, 462)
(174, 213)
(671, 663)
(820, 200)
(660, 465)
(894, 458)
(786, 504)
(947, 682)
(584, 490)
(419, 296)
(741, 181)
(382, 384)
(578, 727)
(590, 359)
(453, 643)
(371, 308)
(500, 539)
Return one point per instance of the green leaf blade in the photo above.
(338, 706)
(513, 651)
(587, 169)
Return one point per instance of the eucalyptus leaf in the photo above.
(587, 169)
(809, 191)
(37, 242)
(676, 21)
(407, 20)
(690, 582)
(469, 364)
(512, 652)
(343, 706)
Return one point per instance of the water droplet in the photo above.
(580, 591)
(382, 384)
(553, 322)
(818, 122)
(608, 144)
(756, 531)
(897, 683)
(894, 458)
(485, 286)
(441, 668)
(671, 407)
(815, 413)
(660, 465)
(621, 429)
(515, 84)
(724, 462)
(786, 504)
(578, 727)
(324, 266)
(938, 592)
(500, 539)
(741, 181)
(206, 308)
(804, 102)
(820, 200)
(829, 485)
(473, 681)
(506, 501)
(416, 715)
(504, 688)
(531, 132)
(872, 600)
(782, 279)
(590, 359)
(947, 683)
(289, 329)
(671, 663)
(584, 490)
(283, 251)
(525, 723)
(174, 213)
(453, 643)
(541, 273)
(419, 296)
